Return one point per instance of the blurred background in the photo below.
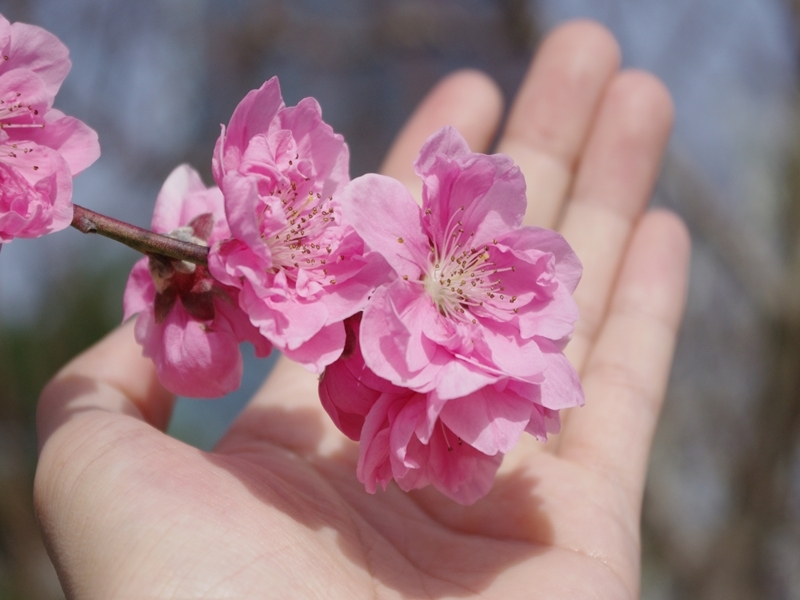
(155, 78)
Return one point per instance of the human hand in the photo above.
(276, 509)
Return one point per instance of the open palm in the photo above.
(276, 510)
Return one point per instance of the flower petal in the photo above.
(181, 198)
(31, 47)
(460, 471)
(536, 239)
(384, 214)
(72, 138)
(392, 340)
(139, 291)
(373, 452)
(324, 347)
(192, 359)
(561, 387)
(485, 193)
(253, 115)
(489, 420)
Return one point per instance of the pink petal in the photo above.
(351, 292)
(490, 188)
(139, 291)
(242, 201)
(554, 319)
(316, 140)
(384, 214)
(23, 86)
(413, 479)
(538, 240)
(33, 48)
(192, 358)
(346, 399)
(232, 262)
(73, 139)
(183, 196)
(35, 194)
(501, 207)
(227, 308)
(512, 355)
(320, 350)
(489, 420)
(388, 342)
(543, 422)
(458, 378)
(562, 386)
(373, 452)
(446, 143)
(296, 327)
(408, 411)
(460, 471)
(253, 115)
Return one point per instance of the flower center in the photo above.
(462, 275)
(300, 242)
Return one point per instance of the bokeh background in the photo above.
(155, 78)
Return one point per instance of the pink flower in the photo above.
(299, 268)
(40, 148)
(477, 299)
(189, 323)
(417, 439)
(398, 443)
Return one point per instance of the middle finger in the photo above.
(552, 115)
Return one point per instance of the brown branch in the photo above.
(141, 240)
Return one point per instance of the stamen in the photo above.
(21, 125)
(296, 246)
(461, 276)
(444, 433)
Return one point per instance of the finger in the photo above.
(467, 100)
(107, 479)
(95, 418)
(552, 114)
(626, 374)
(613, 185)
(111, 377)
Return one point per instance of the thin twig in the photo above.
(141, 240)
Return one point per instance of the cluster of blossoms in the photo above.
(284, 270)
(40, 148)
(437, 331)
(458, 350)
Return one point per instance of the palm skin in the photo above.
(275, 511)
